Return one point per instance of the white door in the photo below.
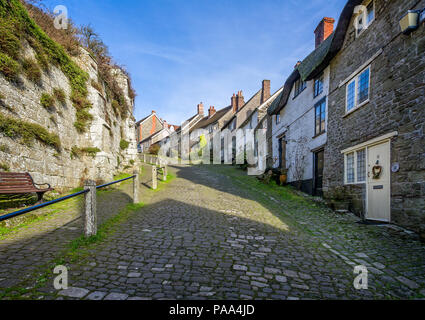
(378, 183)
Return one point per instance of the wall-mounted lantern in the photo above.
(412, 20)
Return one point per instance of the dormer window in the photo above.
(299, 87)
(365, 17)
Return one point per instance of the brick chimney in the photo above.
(297, 64)
(240, 101)
(211, 112)
(233, 104)
(201, 109)
(153, 111)
(265, 92)
(324, 30)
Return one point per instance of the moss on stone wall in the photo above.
(28, 132)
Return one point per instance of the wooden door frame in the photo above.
(388, 142)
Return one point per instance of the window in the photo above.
(364, 18)
(299, 87)
(277, 118)
(233, 125)
(320, 117)
(355, 167)
(318, 86)
(357, 92)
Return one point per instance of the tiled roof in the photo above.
(207, 121)
(250, 101)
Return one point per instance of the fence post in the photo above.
(164, 172)
(154, 177)
(90, 216)
(144, 158)
(136, 186)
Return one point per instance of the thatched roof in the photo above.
(320, 58)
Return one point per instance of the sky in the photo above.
(183, 52)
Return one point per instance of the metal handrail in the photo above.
(45, 204)
(111, 183)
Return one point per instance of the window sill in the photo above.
(347, 113)
(318, 135)
(354, 183)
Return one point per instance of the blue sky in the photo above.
(180, 53)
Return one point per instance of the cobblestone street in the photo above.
(215, 233)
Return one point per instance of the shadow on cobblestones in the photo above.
(22, 253)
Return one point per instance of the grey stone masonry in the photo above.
(396, 104)
(154, 177)
(90, 216)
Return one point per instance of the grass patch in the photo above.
(59, 95)
(31, 70)
(9, 67)
(13, 128)
(4, 148)
(47, 101)
(4, 166)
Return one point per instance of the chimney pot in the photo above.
(211, 112)
(324, 30)
(201, 109)
(265, 92)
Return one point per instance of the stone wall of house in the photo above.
(397, 103)
(106, 131)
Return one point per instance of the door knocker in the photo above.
(377, 171)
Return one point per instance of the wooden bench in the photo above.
(21, 183)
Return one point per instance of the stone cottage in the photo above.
(375, 155)
(146, 128)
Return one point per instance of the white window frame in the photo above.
(360, 14)
(356, 87)
(355, 166)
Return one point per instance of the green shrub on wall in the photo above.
(124, 144)
(28, 132)
(47, 101)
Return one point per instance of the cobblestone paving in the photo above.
(24, 251)
(209, 234)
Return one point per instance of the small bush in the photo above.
(4, 166)
(4, 148)
(8, 67)
(116, 106)
(47, 101)
(78, 152)
(96, 85)
(59, 95)
(79, 101)
(32, 70)
(132, 162)
(124, 144)
(90, 151)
